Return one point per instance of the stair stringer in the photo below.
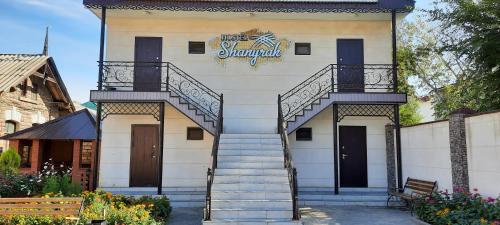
(309, 112)
(191, 112)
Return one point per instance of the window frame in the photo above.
(194, 129)
(302, 44)
(10, 122)
(309, 130)
(194, 43)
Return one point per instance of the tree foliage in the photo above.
(452, 53)
(10, 161)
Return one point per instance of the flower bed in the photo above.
(461, 208)
(118, 209)
(114, 209)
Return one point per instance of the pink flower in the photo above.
(490, 199)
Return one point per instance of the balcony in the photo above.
(342, 84)
(123, 81)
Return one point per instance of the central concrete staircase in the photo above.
(251, 184)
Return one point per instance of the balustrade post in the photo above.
(279, 115)
(168, 72)
(332, 79)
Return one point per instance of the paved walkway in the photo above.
(355, 215)
(334, 215)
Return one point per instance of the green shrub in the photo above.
(460, 208)
(61, 184)
(19, 185)
(10, 161)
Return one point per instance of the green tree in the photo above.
(406, 66)
(10, 161)
(471, 30)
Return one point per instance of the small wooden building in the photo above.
(68, 141)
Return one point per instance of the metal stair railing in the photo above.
(288, 162)
(120, 75)
(211, 171)
(376, 78)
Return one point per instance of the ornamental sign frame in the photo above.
(253, 46)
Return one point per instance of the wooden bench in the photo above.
(413, 189)
(69, 208)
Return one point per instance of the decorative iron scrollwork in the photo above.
(120, 76)
(365, 110)
(337, 78)
(131, 108)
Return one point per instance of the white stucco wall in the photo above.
(483, 152)
(314, 159)
(184, 161)
(250, 94)
(425, 152)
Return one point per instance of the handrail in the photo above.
(211, 170)
(119, 75)
(288, 162)
(337, 78)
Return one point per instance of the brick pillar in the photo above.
(390, 156)
(36, 156)
(92, 165)
(458, 151)
(75, 173)
(15, 145)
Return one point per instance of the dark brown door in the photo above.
(147, 67)
(350, 70)
(352, 154)
(144, 155)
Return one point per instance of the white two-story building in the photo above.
(275, 98)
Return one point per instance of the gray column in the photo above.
(458, 151)
(390, 156)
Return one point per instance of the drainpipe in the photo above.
(396, 107)
(99, 106)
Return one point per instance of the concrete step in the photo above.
(233, 214)
(250, 204)
(312, 197)
(252, 222)
(249, 165)
(274, 141)
(249, 179)
(250, 158)
(347, 197)
(253, 172)
(250, 152)
(248, 136)
(283, 187)
(235, 195)
(259, 146)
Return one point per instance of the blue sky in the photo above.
(73, 37)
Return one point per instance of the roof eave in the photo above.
(381, 6)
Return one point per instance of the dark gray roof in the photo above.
(79, 125)
(308, 6)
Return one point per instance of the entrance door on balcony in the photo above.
(350, 60)
(144, 155)
(353, 159)
(147, 66)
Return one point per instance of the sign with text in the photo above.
(253, 46)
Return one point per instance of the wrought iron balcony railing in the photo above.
(159, 77)
(337, 78)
